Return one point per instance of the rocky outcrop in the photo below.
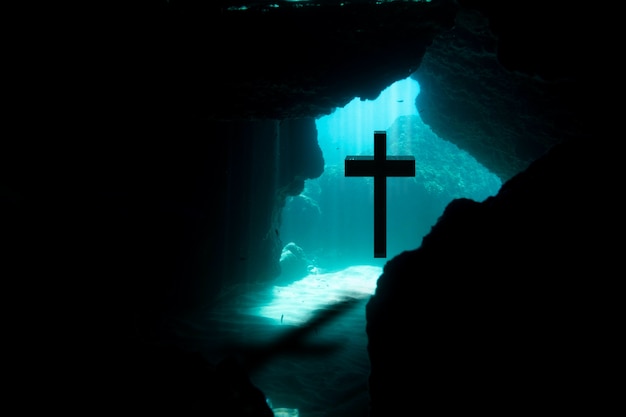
(508, 304)
(504, 117)
(293, 263)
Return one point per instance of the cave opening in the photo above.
(331, 221)
(327, 231)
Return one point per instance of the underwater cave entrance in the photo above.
(330, 223)
(328, 256)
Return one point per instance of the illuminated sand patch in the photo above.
(285, 412)
(294, 303)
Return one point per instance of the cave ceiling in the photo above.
(505, 83)
(503, 80)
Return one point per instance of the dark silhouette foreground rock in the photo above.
(508, 305)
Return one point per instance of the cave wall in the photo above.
(267, 162)
(156, 223)
(506, 119)
(508, 304)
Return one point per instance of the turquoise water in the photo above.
(332, 219)
(331, 225)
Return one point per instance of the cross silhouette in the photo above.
(380, 166)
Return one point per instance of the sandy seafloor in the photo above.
(325, 373)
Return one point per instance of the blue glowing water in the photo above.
(332, 219)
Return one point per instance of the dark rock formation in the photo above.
(167, 225)
(508, 304)
(138, 232)
(293, 263)
(508, 90)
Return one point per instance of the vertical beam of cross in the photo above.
(380, 166)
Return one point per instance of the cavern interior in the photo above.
(181, 236)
